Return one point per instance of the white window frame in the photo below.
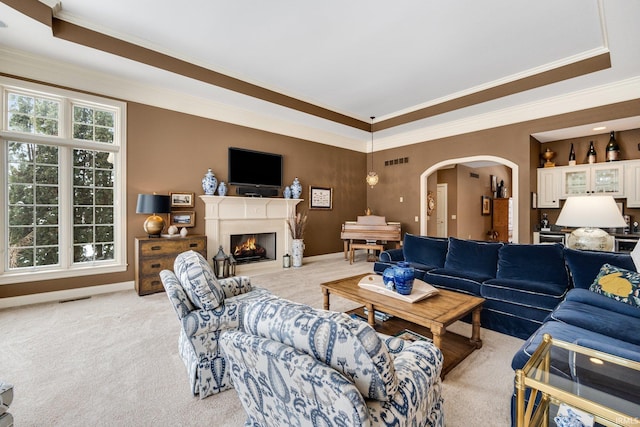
(67, 98)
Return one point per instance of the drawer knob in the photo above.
(156, 248)
(155, 265)
(193, 245)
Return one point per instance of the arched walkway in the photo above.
(514, 187)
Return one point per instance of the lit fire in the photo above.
(248, 245)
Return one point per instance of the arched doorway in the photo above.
(514, 187)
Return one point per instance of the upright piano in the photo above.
(371, 229)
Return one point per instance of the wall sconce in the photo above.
(153, 204)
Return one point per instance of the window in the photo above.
(64, 183)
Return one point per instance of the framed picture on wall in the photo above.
(182, 218)
(486, 205)
(320, 197)
(182, 200)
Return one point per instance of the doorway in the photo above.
(483, 158)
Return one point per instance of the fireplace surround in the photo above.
(232, 215)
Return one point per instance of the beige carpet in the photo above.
(112, 360)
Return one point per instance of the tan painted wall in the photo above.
(175, 155)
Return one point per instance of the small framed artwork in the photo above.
(486, 205)
(320, 198)
(182, 200)
(182, 218)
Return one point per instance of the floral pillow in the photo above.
(619, 284)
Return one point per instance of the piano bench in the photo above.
(367, 246)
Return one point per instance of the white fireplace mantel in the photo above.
(228, 215)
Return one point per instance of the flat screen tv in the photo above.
(254, 168)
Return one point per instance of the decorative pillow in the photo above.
(619, 284)
(349, 346)
(198, 280)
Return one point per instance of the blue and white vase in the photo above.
(222, 189)
(209, 183)
(403, 276)
(388, 278)
(296, 188)
(287, 192)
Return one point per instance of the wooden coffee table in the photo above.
(429, 317)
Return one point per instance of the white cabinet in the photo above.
(632, 183)
(549, 188)
(605, 178)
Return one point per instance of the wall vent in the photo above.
(398, 161)
(474, 175)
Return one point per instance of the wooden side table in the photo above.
(156, 254)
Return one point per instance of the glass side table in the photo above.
(602, 385)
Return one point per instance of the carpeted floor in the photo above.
(112, 360)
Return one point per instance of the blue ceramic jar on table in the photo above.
(403, 276)
(387, 278)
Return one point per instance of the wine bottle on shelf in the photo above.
(613, 149)
(572, 156)
(591, 154)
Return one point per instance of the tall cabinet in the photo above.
(502, 220)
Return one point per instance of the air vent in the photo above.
(474, 175)
(398, 161)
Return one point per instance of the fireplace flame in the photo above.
(247, 245)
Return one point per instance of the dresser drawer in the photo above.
(156, 265)
(170, 246)
(150, 285)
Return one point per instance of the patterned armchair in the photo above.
(205, 307)
(6, 397)
(295, 365)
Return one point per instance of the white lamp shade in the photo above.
(591, 211)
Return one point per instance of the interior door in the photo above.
(441, 210)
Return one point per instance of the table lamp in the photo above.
(588, 213)
(153, 204)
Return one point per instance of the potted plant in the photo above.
(297, 223)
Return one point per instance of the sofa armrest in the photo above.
(418, 369)
(178, 298)
(236, 285)
(228, 315)
(392, 255)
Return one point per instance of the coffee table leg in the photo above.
(475, 331)
(437, 332)
(325, 295)
(371, 315)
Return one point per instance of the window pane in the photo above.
(33, 114)
(47, 255)
(91, 124)
(104, 215)
(83, 158)
(82, 177)
(47, 195)
(83, 196)
(104, 178)
(46, 215)
(21, 194)
(21, 215)
(47, 174)
(104, 197)
(82, 234)
(20, 236)
(46, 236)
(20, 257)
(82, 215)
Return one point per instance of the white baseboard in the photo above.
(68, 294)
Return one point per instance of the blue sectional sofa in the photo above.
(521, 284)
(584, 297)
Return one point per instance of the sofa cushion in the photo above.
(198, 280)
(455, 280)
(619, 284)
(473, 257)
(349, 346)
(425, 252)
(584, 266)
(587, 297)
(598, 320)
(530, 293)
(539, 263)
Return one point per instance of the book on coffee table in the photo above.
(421, 290)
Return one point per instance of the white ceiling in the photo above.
(358, 58)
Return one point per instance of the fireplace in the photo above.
(226, 216)
(255, 247)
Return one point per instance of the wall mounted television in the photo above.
(254, 168)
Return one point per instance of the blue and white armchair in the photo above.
(206, 307)
(294, 365)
